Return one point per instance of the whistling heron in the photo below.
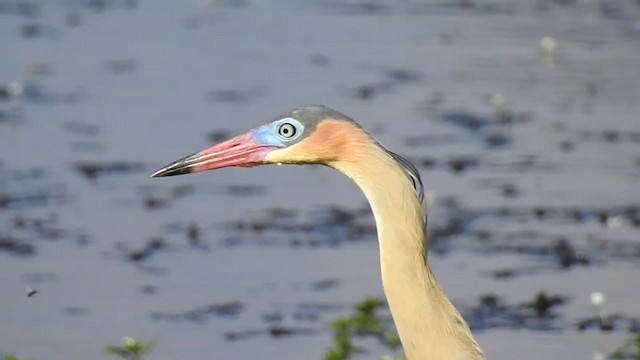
(429, 326)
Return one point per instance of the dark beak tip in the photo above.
(178, 167)
(169, 171)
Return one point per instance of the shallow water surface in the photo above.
(531, 163)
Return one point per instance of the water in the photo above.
(519, 153)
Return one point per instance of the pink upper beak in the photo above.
(240, 151)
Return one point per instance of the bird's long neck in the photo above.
(428, 324)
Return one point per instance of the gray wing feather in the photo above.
(413, 175)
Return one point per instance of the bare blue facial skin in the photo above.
(273, 133)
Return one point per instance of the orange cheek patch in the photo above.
(332, 140)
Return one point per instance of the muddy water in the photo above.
(531, 163)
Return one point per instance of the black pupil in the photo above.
(287, 130)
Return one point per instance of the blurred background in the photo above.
(522, 117)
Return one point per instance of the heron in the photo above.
(429, 326)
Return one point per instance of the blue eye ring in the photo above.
(288, 129)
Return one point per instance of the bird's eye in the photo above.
(287, 130)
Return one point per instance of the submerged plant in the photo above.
(131, 349)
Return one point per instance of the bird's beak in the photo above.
(240, 151)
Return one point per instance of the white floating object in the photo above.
(597, 298)
(547, 46)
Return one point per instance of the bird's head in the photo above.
(305, 135)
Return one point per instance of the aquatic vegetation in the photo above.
(131, 349)
(13, 357)
(365, 322)
(629, 350)
(526, 131)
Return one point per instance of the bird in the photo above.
(429, 326)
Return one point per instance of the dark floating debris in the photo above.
(202, 313)
(328, 226)
(428, 162)
(153, 203)
(497, 140)
(152, 200)
(273, 331)
(492, 312)
(243, 335)
(509, 190)
(466, 120)
(503, 274)
(181, 191)
(489, 130)
(434, 102)
(455, 227)
(151, 247)
(392, 77)
(10, 90)
(33, 30)
(610, 136)
(26, 9)
(40, 228)
(610, 323)
(302, 312)
(325, 284)
(12, 117)
(17, 247)
(560, 252)
(460, 164)
(542, 303)
(193, 235)
(462, 8)
(93, 171)
(246, 190)
(368, 91)
(567, 146)
(404, 75)
(148, 289)
(33, 199)
(566, 254)
(83, 239)
(217, 136)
